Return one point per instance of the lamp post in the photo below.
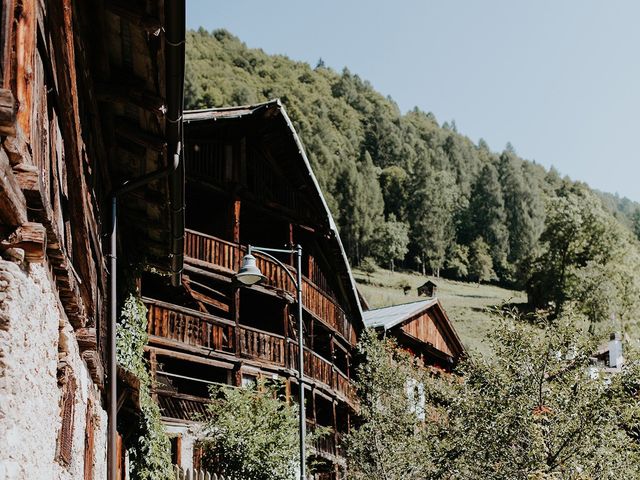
(249, 274)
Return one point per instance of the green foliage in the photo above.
(368, 265)
(372, 161)
(480, 261)
(636, 222)
(457, 261)
(587, 258)
(534, 410)
(391, 441)
(390, 241)
(251, 433)
(149, 450)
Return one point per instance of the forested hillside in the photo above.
(405, 189)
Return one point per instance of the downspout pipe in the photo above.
(113, 305)
(175, 35)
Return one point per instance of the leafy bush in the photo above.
(150, 449)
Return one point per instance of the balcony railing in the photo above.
(320, 369)
(199, 329)
(189, 327)
(261, 345)
(226, 256)
(328, 444)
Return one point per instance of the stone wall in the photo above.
(35, 339)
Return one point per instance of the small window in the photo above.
(176, 450)
(249, 380)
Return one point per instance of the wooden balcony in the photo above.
(328, 445)
(261, 345)
(322, 370)
(210, 333)
(189, 326)
(226, 257)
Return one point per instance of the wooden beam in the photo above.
(8, 112)
(17, 149)
(95, 367)
(87, 339)
(191, 358)
(130, 94)
(208, 300)
(136, 17)
(127, 130)
(30, 237)
(13, 206)
(25, 49)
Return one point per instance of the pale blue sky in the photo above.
(559, 79)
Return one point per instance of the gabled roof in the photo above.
(387, 318)
(273, 113)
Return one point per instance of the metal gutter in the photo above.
(175, 31)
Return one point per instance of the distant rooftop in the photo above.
(389, 317)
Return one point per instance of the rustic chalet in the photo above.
(248, 182)
(90, 106)
(422, 328)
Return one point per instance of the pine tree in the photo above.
(489, 217)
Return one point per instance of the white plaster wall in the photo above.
(190, 433)
(32, 327)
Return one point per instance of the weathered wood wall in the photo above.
(425, 328)
(48, 206)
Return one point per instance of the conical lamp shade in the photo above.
(249, 273)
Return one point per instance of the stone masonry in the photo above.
(35, 340)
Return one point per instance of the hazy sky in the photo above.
(559, 79)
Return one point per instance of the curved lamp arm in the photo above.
(265, 252)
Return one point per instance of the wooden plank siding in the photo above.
(426, 329)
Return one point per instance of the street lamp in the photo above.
(249, 274)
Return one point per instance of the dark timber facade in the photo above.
(248, 181)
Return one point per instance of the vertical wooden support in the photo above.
(332, 350)
(285, 330)
(287, 391)
(234, 230)
(6, 42)
(25, 49)
(335, 423)
(313, 405)
(120, 463)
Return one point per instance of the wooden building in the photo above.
(428, 289)
(90, 99)
(248, 182)
(422, 328)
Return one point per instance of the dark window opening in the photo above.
(176, 450)
(175, 376)
(208, 212)
(260, 311)
(324, 411)
(264, 230)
